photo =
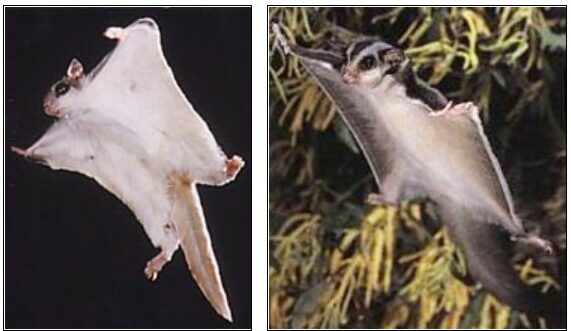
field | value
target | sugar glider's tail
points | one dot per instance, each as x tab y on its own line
188	219
486	250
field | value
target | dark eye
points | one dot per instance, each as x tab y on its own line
367	63
61	88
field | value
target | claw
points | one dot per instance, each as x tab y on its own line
151	276
154	266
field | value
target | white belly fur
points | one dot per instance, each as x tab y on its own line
437	147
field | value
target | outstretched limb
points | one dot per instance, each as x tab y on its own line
233	166
536	241
114	32
327	59
222	172
459	109
169	245
155	265
25	153
20	151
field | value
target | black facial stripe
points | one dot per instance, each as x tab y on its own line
359	46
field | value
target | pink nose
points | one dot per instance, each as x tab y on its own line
52	111
349	77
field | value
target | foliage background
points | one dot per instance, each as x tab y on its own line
338	262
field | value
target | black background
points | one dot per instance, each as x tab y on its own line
74	254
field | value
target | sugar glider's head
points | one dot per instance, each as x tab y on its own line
63	93
66	94
368	61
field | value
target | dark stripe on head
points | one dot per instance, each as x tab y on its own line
359	46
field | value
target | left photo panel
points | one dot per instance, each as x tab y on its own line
127	167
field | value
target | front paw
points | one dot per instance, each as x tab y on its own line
20	151
459	109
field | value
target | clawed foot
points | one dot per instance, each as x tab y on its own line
459	109
19	151
155	265
233	166
536	241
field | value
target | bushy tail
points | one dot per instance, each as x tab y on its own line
486	250
190	224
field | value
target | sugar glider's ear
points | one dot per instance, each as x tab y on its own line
394	58
75	70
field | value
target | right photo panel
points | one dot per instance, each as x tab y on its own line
417	167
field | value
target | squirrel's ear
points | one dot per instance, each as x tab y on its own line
394	58
75	69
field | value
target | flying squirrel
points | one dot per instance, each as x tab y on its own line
128	125
418	144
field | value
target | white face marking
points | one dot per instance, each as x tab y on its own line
59	100
373	50
62	94
366	68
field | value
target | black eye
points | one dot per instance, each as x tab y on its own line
367	63
61	88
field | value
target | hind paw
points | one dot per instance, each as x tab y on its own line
536	241
233	166
155	265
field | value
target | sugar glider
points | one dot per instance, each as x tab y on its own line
128	125
419	145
